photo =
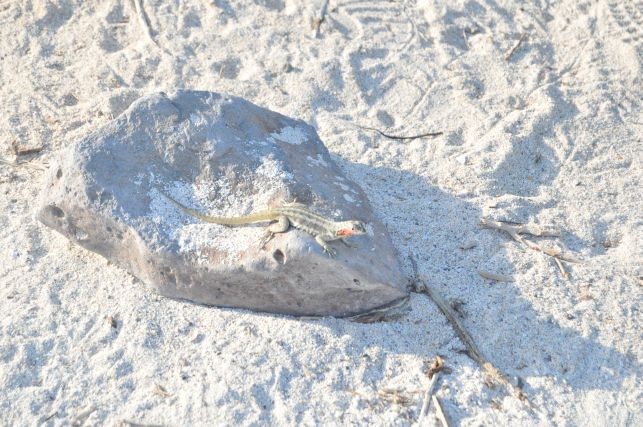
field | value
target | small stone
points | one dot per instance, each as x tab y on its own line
469	244
223	156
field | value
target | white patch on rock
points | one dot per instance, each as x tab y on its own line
291	135
273	169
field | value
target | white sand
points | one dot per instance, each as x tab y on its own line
552	135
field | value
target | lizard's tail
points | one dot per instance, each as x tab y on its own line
246	219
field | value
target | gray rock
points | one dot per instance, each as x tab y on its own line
223	156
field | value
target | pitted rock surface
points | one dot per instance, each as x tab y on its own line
223	156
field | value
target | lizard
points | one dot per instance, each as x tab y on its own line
287	214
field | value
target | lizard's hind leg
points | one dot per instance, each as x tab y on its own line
281	226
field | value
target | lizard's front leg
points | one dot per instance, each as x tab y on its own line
281	226
330	251
349	244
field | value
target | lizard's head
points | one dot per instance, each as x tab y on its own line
351	228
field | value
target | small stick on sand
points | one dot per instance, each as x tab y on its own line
515	232
433	373
317	21
466	39
128	423
142	19
79	419
395	396
50	416
561	268
21	164
401	138
493	373
439	413
159	390
22	151
496	277
388	395
513	50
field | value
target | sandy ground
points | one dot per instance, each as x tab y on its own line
540	108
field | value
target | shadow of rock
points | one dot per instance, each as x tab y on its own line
521	340
531	162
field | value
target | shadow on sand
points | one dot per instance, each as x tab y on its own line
515	337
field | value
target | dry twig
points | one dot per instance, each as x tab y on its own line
48	417
395	396
317	21
79	419
401	138
561	268
513	50
25	151
493	374
20	164
496	277
128	423
160	391
142	19
439	412
434	371
388	395
515	231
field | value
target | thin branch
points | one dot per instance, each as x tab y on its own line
495	277
388	395
439	412
493	373
515	232
128	423
21	151
561	268
159	390
513	50
537	230
21	164
427	398
466	40
434	373
317	21
79	419
401	138
142	19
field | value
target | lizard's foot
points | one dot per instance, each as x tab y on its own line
330	251
266	238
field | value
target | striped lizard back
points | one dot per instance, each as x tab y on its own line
303	218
